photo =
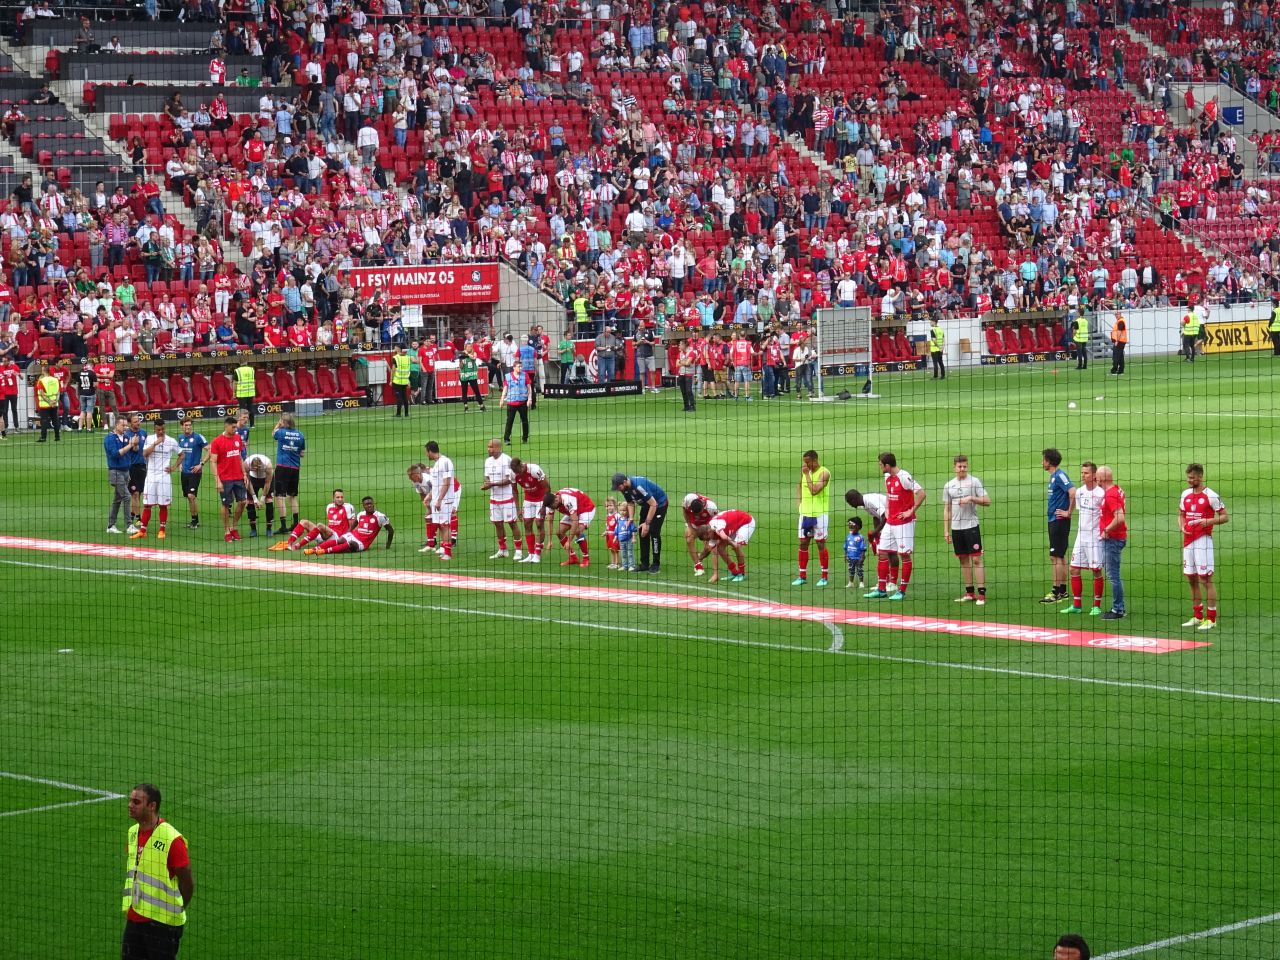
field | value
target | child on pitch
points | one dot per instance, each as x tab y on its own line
611	532
625	532
855	551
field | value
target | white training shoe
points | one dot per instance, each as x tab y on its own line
113	529
1207	624
131	529
1193	622
612	566
982	601
440	551
499	555
426	549
698	571
533	558
519	557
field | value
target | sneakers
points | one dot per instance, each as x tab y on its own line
799	582
193	525
585	563
533	558
965	598
896	595
1113	615
519	557
654	569
235	535
982	601
131	529
439	551
161	535
1053	597
738	578
226	538
571	562
113	529
875	595
1071	609
498	555
1207	625
613	566
698	570
1193	622
643	568
310	551
277	547
1095	612
253	533
821	583
423	549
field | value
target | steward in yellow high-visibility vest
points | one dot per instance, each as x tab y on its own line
1274	330
1080	336
937	341
401	367
48	397
1190	334
246	389
158	884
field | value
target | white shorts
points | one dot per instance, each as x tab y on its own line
534	510
448	508
356	544
898	538
502	512
1197	557
158	491
1087	554
743	536
817	527
583	518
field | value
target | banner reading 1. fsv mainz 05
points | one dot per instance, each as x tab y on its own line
445	284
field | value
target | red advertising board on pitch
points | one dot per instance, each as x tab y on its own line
451	284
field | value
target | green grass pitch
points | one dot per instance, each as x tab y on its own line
370	770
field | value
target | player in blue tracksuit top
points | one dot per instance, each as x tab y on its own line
291	446
651	510
855	550
137	469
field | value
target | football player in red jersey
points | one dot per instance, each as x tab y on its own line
1199	511
534	488
729	529
898	537
338	517
578	510
369	523
698	512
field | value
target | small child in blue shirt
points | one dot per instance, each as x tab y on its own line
625	531
855	549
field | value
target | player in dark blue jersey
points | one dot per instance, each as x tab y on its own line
194	455
1062	500
291	447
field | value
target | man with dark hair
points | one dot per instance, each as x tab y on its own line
158	885
1071	946
904	496
651	504
1062	500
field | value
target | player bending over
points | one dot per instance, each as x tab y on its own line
877	505
369	523
698	511
338	517
578	510
731	529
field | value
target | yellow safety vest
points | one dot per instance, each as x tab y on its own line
400	375
815	504
150	890
938	336
246	382
1082	329
1275	321
47	390
580	312
1191	325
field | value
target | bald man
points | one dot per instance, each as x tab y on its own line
1115	534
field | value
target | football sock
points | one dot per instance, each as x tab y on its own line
295	519
453	527
164	516
271	513
802	559
502	542
295	534
982	591
1197	611
528	543
582	544
538	547
1097	591
314	534
340	547
1077	589
432	529
823	558
882	571
969	590
1212	614
906	575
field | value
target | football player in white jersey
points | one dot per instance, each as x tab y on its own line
446	491
500	481
1086	554
157	488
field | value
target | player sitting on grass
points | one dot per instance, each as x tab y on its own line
337	522
369	523
727	529
578	510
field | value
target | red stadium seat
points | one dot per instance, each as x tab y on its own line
1044	337
326	381
995	345
157	392
306	383
902	346
347	381
1026	338
179	392
118	388
134	398
1010	339
286	389
266	386
222	392
201	389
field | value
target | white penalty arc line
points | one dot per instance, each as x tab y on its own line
43	781
57	806
835	648
1190	937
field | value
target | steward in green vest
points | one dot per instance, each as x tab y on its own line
47	399
246	389
1080	336
582	310
1190	334
1274	330
937	340
469	376
158	884
400	370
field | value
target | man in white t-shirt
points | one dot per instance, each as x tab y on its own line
500	481
961	497
446	491
1086	553
157	488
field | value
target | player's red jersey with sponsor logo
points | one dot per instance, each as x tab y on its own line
701	519
10	374
731	521
574	501
338	518
368	526
900	488
1201	504
533	482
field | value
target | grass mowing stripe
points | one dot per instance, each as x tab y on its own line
835	648
1190	937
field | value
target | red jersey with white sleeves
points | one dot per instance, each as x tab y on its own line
709	510
10	374
338	518
533	482
368	526
574	502
1201	504
900	491
731	521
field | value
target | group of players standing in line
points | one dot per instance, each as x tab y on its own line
140	470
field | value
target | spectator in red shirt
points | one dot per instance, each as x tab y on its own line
1115	534
226	451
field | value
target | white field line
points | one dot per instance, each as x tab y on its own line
98	795
759	644
1190	937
